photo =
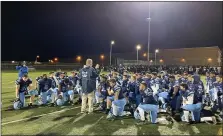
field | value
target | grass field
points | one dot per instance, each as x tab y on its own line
68	120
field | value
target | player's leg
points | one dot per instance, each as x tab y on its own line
84	103
54	95
32	94
90	102
22	98
71	96
109	103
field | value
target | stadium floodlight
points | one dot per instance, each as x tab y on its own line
156	51
55	59
37	57
112	43
183	60
78	59
102	56
161	60
209	59
138	47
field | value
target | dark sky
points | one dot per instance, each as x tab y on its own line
65	29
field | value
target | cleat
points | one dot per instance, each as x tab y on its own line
30	105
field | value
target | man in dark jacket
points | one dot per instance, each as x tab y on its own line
88	77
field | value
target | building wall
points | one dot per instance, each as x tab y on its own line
191	56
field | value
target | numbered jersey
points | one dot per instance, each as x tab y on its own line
23	84
45	84
65	86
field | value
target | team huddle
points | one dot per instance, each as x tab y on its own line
143	95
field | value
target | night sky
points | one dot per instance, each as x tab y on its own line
65	29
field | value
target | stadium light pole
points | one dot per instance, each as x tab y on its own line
149	19
156	51
138	47
112	43
37	57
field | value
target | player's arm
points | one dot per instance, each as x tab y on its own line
99	88
18	67
70	86
96	71
189	99
17	90
59	88
117	94
30	87
110	92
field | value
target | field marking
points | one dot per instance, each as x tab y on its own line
39	116
7	82
220	132
79	118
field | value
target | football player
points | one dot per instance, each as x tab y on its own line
149	104
66	92
119	101
23	85
23	69
101	93
54	88
192	103
44	86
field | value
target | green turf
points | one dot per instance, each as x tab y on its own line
70	122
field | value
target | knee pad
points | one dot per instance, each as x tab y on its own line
59	102
70	92
137	115
17	104
48	98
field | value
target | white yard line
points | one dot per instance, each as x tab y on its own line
7	82
39	116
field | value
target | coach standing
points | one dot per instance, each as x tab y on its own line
88	77
23	69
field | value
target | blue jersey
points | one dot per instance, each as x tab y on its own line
117	88
210	82
65	87
191	86
171	87
45	84
132	89
183	80
147	80
22	70
148	98
73	79
103	86
125	85
53	85
218	86
23	84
